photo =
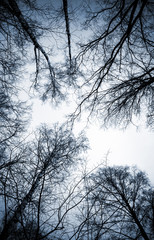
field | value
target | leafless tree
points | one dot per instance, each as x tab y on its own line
120	205
118	61
24	26
29	187
16	24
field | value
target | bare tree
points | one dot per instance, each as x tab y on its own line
118	83
22	25
29	190
65	8
26	30
121	205
118	61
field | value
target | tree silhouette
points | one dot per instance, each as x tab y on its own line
119	83
29	190
120	56
120	205
24	25
113	71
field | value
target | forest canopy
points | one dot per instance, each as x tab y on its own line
101	52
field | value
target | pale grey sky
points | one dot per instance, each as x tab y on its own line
129	147
126	147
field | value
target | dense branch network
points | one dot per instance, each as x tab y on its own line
13	8
42	195
122	74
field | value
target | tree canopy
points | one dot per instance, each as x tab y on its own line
102	54
120	56
114	60
120	204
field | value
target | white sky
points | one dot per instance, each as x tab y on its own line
128	147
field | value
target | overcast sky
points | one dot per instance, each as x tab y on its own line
133	146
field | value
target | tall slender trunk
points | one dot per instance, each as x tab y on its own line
12	222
